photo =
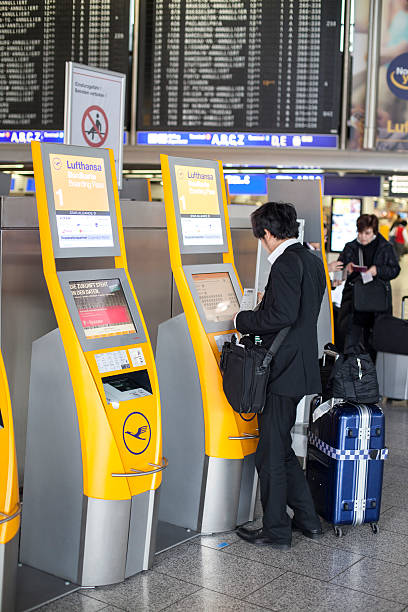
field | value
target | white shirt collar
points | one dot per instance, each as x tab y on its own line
280	249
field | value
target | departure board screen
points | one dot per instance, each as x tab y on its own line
37	38
217	296
257	65
102	308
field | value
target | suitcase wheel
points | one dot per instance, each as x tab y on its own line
338	532
375	528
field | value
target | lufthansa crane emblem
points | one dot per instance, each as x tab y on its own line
136	433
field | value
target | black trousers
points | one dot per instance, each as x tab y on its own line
282	481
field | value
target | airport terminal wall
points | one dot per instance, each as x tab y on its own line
26	310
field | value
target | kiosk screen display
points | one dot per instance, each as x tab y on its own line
102	308
199	206
345	212
81	201
217	296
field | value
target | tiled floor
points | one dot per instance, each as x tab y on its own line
361	571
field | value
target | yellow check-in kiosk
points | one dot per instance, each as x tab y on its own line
94	460
211	483
9	500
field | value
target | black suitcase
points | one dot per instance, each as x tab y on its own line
390	334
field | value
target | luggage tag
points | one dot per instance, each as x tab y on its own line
325	407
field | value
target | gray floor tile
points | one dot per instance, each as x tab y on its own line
180	549
386	545
220	540
398	457
209	601
395	496
306	557
378	579
75	601
396	426
396	440
294	593
396	475
147	591
217	571
395	519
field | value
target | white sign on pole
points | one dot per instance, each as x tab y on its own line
94	110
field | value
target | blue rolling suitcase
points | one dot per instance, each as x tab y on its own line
345	462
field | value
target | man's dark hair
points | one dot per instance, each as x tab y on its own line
403	223
366	221
276	217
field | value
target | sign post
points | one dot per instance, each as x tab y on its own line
94	110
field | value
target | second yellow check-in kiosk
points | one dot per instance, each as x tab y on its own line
94	458
9	500
211	483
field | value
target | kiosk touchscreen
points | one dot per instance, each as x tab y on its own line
211	483
94	459
9	500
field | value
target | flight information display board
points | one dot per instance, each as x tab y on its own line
240	65
37	38
102	308
217	296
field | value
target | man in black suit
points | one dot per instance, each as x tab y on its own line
292	297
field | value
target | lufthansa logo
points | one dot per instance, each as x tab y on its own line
56	162
136	433
250	418
397	76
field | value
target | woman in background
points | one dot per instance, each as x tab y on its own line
379	258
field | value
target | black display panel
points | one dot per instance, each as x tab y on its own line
37	38
237	65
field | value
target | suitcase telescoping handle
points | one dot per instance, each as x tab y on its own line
329	350
405	297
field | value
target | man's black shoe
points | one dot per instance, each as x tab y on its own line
257	536
312	534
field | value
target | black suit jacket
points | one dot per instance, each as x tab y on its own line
292	297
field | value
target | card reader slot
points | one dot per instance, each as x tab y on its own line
129	386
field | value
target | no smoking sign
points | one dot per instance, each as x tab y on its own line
95	126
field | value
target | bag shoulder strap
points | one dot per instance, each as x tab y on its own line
360	257
276	344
